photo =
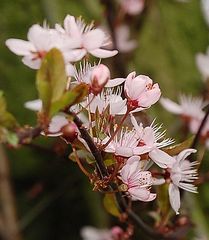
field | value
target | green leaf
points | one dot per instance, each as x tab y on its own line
108	162
177	148
7	120
82	154
110	204
12	138
69	98
51	79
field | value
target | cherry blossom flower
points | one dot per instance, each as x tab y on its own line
124	45
86	73
202	62
123	144
148	142
205	10
137	141
137	181
108	98
141	92
92	233
182	175
40	41
191	109
132	7
85	39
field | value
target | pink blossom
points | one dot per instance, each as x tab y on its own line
92	233
202	62
85	73
205	10
137	181
141	92
124	45
108	98
191	109
99	77
40	41
182	175
132	7
84	39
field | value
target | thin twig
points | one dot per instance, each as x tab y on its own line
198	135
27	134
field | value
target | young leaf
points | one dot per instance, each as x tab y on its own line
6	119
110	204
51	79
69	98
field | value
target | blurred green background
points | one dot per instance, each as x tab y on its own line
54	200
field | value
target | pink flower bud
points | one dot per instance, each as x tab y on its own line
99	77
69	132
140	91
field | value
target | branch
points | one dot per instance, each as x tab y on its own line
27	134
94	150
11	230
198	135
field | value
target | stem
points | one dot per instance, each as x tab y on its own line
198	135
93	148
11	229
80	164
25	135
116	131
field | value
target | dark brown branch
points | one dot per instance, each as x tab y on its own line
198	134
94	150
27	134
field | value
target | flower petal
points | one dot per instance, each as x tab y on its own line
115	82
102	53
185	153
174	197
20	47
161	158
93	39
34	105
171	106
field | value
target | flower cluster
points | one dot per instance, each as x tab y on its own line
132	147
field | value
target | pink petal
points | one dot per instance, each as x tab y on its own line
124	151
171	106
75	55
184	154
20	47
161	158
102	53
34	64
34	105
93	39
141	194
115	82
57	122
174	197
71	27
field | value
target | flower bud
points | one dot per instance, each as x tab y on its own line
69	132
99	77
